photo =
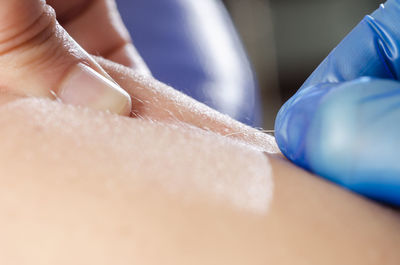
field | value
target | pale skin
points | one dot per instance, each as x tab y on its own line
175	183
85	187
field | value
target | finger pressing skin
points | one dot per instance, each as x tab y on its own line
97	26
38	58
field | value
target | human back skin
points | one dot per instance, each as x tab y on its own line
86	187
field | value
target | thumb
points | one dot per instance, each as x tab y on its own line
38	58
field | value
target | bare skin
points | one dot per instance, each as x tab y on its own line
85	187
155	101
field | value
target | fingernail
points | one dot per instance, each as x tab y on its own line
83	86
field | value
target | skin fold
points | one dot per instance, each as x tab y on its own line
155	101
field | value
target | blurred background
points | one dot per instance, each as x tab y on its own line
287	39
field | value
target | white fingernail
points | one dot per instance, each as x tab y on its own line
85	87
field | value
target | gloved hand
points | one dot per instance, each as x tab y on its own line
344	122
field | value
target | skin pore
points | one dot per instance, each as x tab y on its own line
87	187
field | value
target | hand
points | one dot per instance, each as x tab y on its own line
38	58
344	122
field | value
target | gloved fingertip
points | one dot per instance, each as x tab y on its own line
293	121
83	86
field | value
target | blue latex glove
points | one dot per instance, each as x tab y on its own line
344	122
